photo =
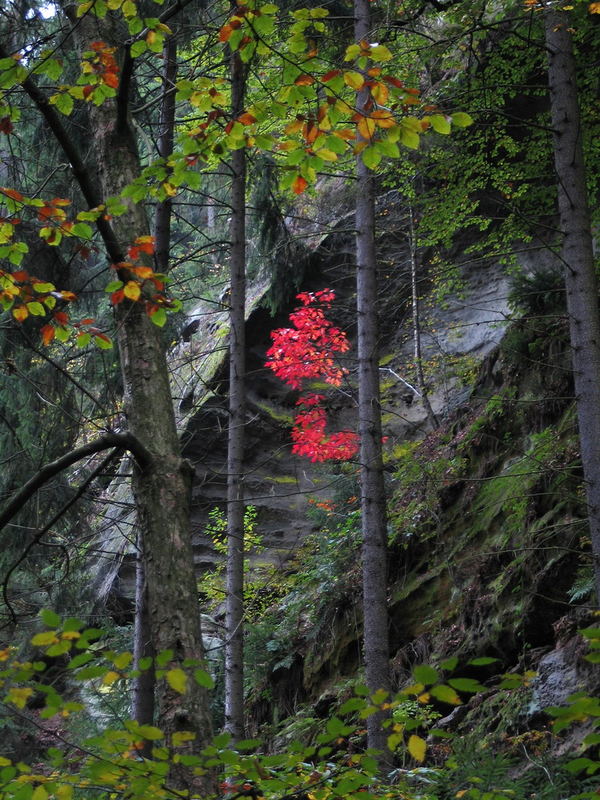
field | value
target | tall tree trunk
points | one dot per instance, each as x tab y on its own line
372	488
234	621
578	257
161	492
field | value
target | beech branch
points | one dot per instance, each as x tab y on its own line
80	171
125	441
43	531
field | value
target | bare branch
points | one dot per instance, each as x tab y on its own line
125	441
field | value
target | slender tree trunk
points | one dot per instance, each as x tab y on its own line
234	620
142	699
578	257
372	490
162	220
433	421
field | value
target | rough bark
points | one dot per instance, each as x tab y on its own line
234	619
162	491
372	489
578	257
142	693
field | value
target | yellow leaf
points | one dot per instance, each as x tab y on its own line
39	793
19	696
417	747
110	677
47	637
70	635
20	313
326	155
132	290
354	79
177	680
5	762
594	8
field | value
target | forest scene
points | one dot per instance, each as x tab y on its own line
299	400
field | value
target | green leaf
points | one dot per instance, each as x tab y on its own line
425	674
371	156
61	333
466	685
440	124
137	48
72	624
103	343
149	732
388	148
159	317
461	119
59	648
82	229
113	286
380	53
43	288
163	658
483	661
50	618
63	102
83	339
79	660
409	138
36	309
202	678
353	704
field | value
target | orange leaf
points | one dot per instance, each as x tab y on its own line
393	81
117	297
304	80
20	313
225	33
142	272
12	193
47	334
384	119
68	295
21	275
246	118
366	127
331	75
299	184
61	317
110	79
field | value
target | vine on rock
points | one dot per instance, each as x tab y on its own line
305	352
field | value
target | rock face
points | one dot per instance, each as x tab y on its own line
564	671
456	336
